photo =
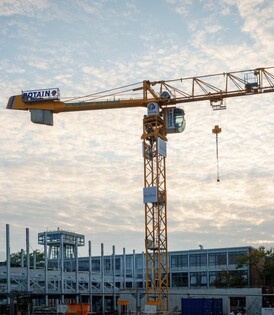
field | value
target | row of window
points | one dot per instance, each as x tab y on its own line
209	261
236	278
217	260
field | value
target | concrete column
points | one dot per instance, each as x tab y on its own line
46	267
28	259
90	274
8	260
124	267
61	253
102	265
76	270
188	268
133	269
144	269
207	269
113	279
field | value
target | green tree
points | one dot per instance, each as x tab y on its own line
229	279
15	259
262	262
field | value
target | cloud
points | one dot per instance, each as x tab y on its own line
88	7
180	6
26	7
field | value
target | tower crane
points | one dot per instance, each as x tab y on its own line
162	118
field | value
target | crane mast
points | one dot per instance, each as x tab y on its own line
160	98
154	152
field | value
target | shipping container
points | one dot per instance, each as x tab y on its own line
201	306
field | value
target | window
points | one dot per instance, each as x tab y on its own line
198	279
139	262
193	279
233	257
69	251
82	264
96	265
179	261
108	264
129	261
203	279
229	279
197	261
239	278
179	279
212	278
54	252
117	263
217	260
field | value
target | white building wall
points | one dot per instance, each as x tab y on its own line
253	298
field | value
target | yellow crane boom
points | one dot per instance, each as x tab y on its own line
214	87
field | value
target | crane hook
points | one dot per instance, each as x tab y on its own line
216	130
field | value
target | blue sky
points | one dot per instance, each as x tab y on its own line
85	174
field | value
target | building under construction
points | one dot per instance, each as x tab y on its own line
116	282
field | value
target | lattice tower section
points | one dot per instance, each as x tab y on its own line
155	213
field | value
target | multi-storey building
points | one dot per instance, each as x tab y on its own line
102	280
187	268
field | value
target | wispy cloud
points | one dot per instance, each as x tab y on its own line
26	7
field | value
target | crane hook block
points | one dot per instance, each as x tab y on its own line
216	130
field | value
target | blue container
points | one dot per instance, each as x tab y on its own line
217	305
201	306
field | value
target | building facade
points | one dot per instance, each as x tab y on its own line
201	268
64	277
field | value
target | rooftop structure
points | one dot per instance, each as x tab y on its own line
55	240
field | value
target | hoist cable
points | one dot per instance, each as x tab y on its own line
217	157
217	130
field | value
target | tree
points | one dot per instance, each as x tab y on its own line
262	262
229	279
15	258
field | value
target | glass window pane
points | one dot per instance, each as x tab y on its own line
233	257
179	279
179	261
197	260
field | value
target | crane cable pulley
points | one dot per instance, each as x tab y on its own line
216	130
